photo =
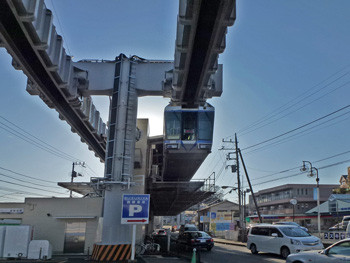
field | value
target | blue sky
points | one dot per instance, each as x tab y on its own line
292	56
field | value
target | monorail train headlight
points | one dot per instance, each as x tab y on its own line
172	146
204	146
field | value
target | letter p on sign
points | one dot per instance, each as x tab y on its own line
134	209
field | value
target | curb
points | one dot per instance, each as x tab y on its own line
230	243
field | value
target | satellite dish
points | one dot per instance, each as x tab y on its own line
293	201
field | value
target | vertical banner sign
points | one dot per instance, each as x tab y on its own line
315	194
135	209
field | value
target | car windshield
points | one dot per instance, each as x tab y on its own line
287	223
190	228
294	232
200	234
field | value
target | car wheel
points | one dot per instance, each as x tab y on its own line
285	252
209	248
253	249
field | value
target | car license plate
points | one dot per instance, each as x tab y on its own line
202	241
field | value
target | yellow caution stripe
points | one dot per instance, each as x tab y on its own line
111	253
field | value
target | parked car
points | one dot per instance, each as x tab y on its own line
159	232
338	227
346	220
292	224
281	239
187	227
195	239
337	253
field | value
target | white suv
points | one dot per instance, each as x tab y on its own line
281	239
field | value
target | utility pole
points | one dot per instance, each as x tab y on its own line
250	186
75	174
238	184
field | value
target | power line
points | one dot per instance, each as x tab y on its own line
24	175
91	169
291	169
303	95
32	187
298	128
25	192
293	175
301	133
1	174
301	107
38	139
36	144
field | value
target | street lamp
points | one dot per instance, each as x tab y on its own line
314	172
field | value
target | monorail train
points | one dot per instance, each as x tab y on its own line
188	136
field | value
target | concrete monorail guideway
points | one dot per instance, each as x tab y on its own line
28	34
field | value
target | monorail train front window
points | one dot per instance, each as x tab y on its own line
189	121
173	125
205	125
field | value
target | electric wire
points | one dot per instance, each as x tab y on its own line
295	129
5	175
301	133
39	143
36	144
91	169
303	95
301	107
38	139
298	167
24	175
32	187
296	174
25	192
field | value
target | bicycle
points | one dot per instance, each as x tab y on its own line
149	247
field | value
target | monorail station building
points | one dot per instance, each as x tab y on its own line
74	225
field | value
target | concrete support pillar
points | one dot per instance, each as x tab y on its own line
120	153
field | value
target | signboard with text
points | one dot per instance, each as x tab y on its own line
135	209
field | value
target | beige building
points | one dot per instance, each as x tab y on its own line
71	225
219	217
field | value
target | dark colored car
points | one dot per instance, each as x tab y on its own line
195	239
187	227
159	232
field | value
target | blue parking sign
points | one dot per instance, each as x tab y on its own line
135	209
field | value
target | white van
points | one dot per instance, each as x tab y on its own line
281	239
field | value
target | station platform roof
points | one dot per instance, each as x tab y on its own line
171	198
82	188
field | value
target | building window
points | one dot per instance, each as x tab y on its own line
305	191
302	191
298	192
